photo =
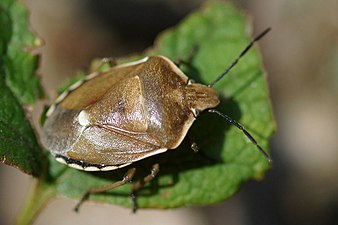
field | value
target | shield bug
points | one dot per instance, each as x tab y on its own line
133	111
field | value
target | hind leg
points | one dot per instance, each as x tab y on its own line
126	178
139	184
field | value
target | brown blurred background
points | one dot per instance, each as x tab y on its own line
301	57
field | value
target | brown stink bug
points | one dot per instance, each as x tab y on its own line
131	112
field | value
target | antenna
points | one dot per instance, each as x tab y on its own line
247	48
239	126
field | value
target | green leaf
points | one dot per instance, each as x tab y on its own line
18	145
19	64
18	85
217	32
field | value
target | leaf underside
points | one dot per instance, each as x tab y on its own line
213	36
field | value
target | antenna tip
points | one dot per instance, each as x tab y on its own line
265	154
269	159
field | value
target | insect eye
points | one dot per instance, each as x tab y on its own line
191	81
196	112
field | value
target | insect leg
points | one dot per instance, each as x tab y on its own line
126	178
140	183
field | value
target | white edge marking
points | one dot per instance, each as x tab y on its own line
108	168
64	94
75	166
158	151
90	168
133	63
57	101
91	76
50	110
184	132
61	160
185	78
76	85
61	97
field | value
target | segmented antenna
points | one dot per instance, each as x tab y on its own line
247	48
239	126
227	118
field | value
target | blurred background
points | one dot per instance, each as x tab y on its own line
301	58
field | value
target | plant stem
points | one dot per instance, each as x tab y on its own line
40	193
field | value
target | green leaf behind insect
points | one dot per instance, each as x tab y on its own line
217	33
18	85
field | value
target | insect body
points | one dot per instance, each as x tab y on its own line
129	113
